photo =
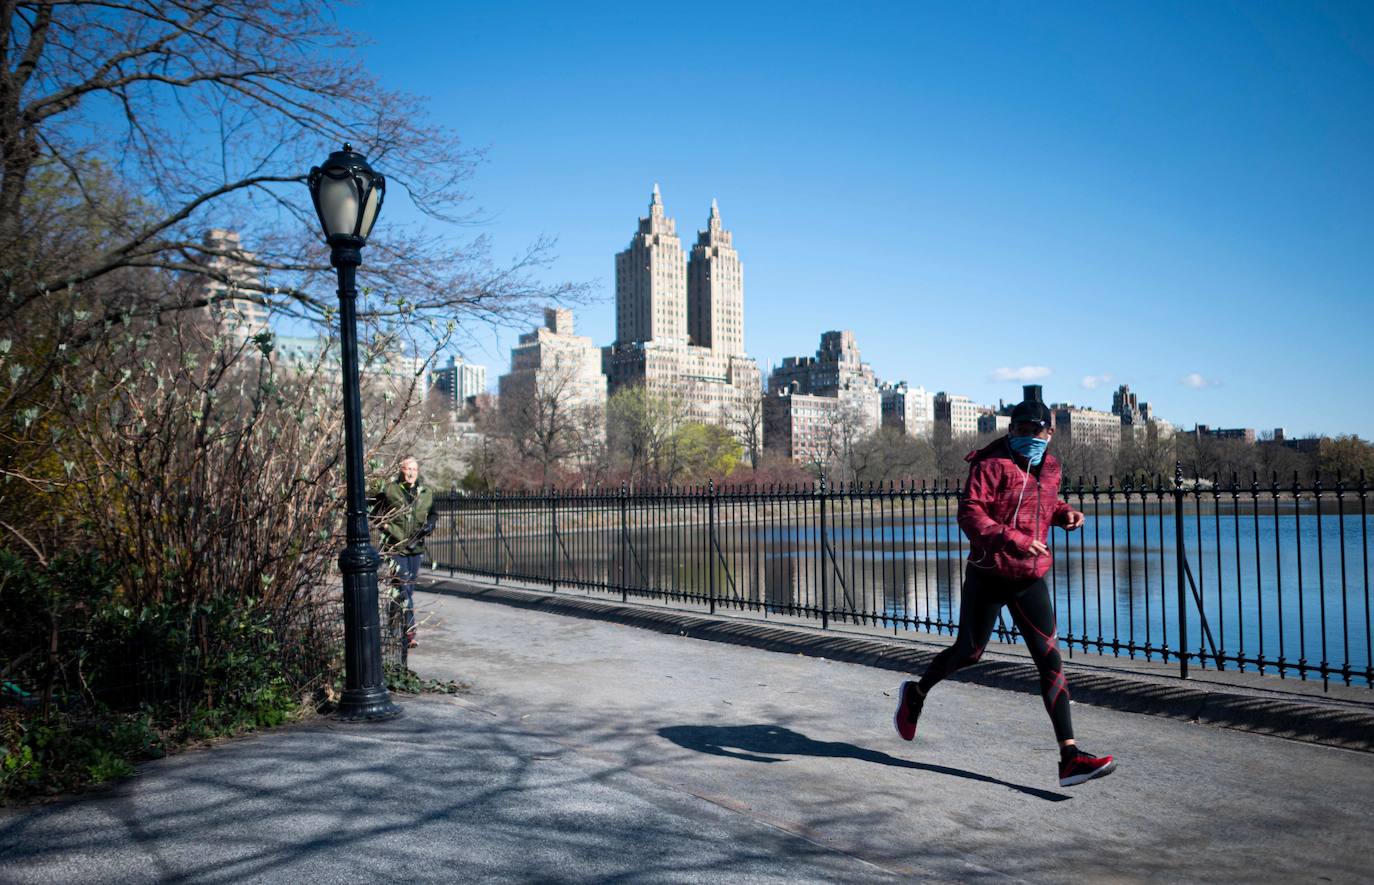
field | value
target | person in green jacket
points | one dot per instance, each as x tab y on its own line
407	505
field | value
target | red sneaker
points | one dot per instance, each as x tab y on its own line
1080	767
909	705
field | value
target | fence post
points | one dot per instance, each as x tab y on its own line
452	527
821	543
624	543
1178	567
711	540
496	506
553	539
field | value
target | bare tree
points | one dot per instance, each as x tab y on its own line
212	111
950	453
1146	454
891	455
849	429
1207	457
1082	458
1273	458
548	418
127	130
744	418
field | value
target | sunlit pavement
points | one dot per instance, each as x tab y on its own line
593	751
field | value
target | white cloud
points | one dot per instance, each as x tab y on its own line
1092	382
1197	382
1025	373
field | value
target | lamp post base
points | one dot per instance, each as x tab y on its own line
373	704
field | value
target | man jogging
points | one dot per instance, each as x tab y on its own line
409	509
1011	500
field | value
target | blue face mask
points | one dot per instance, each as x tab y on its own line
1032	448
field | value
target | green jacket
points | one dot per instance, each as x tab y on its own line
409	511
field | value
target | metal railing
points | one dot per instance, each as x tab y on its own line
1266	576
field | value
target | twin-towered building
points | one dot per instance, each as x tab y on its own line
680	321
680	333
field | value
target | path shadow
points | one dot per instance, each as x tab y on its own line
749	742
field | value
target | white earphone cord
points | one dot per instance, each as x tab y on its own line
1019	498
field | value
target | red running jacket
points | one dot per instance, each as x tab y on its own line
1006	506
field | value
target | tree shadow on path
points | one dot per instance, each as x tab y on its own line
748	742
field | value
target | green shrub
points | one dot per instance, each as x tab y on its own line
126	684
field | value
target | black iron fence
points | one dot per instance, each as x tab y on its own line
1269	576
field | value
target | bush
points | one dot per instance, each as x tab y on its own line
93	685
182	512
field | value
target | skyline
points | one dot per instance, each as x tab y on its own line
1170	197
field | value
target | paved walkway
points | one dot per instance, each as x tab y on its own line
592	751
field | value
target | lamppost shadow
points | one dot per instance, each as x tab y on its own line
751	742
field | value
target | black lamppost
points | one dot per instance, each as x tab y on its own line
348	196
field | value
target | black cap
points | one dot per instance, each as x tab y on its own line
1031	411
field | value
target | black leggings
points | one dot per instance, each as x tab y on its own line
1029	601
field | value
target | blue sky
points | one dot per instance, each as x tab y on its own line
1176	196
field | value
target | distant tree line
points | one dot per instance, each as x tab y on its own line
643	438
890	455
650	440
